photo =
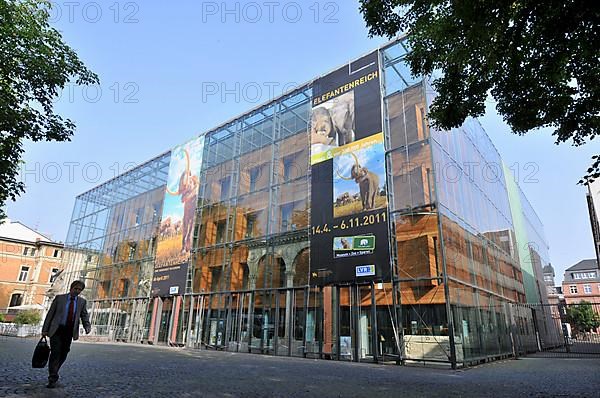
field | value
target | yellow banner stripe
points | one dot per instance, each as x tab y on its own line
348	148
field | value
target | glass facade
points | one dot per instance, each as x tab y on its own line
458	275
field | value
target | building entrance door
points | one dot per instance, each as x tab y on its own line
354	330
166	312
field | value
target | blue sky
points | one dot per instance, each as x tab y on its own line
171	70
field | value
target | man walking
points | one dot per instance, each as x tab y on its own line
62	326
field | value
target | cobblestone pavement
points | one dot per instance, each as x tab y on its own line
125	370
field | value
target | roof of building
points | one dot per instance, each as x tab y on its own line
584	265
16	230
549	269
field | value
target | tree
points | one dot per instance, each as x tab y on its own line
35	64
583	316
538	60
28	317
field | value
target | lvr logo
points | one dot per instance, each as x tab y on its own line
365	270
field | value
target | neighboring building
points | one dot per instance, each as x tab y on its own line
555	296
582	282
29	263
554	291
593	200
549	278
362	234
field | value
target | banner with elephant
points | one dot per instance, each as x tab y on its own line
176	228
349	213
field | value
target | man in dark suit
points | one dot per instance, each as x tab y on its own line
62	326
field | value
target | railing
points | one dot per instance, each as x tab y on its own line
566	330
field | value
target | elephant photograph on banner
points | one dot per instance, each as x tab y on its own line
359	180
332	123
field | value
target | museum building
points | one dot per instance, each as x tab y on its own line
332	222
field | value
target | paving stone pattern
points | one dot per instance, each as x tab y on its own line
127	370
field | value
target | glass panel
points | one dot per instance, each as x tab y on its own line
387	326
346	329
313	329
365	322
298	323
292	212
301	268
293	158
412	180
282	322
417	246
218	183
255	170
252	214
406	114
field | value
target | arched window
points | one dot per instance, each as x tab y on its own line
301	263
16	299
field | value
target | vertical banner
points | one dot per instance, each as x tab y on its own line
177	222
349	230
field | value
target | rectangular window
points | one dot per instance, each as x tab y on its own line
57	253
151	245
29	251
123	288
221	231
254	174
53	274
119	223
250	225
131	254
587	289
155	210
288	167
23	274
104	289
286	217
16	299
139	215
225	186
215	279
573	289
584	275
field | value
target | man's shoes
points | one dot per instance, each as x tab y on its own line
51	384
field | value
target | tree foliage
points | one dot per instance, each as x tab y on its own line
35	64
583	316
28	317
539	60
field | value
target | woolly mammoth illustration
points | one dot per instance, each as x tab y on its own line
368	183
188	189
